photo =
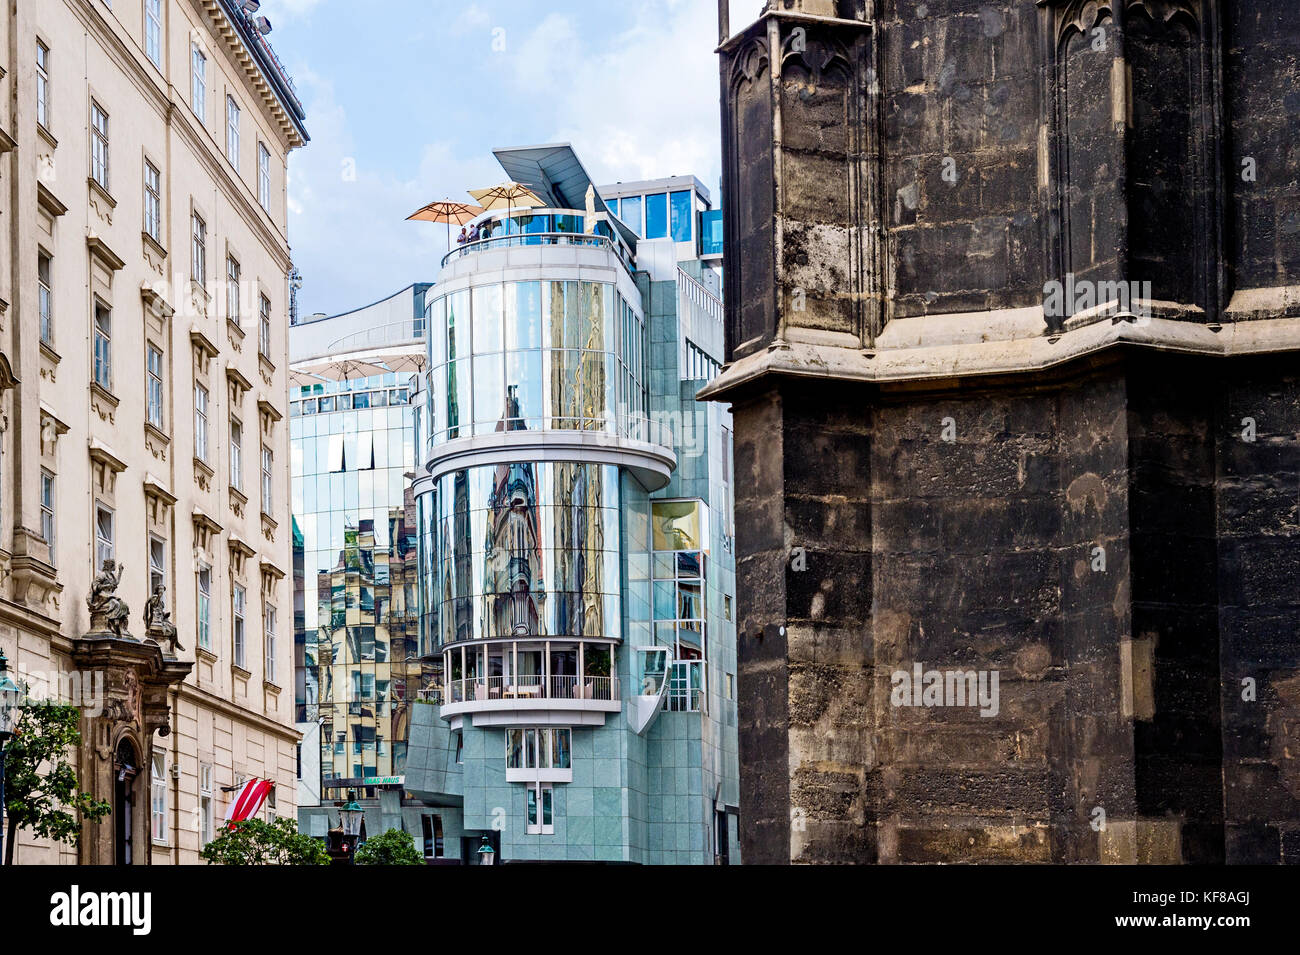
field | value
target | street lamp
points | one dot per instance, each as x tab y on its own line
486	854
351	814
9	696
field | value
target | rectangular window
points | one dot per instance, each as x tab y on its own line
236	455
431	829
158	798
679	210
103	536
232	132
152	202
153	31
238	601
157	563
45	297
42	84
99	144
264	176
267	470
541	814
205	804
631	213
656	216
103	346
198	82
264	326
205	606
232	289
154	385
47	510
198	249
269	625
201	423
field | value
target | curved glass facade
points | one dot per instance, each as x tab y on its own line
355	572
521	550
510	356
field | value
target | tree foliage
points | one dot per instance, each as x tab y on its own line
41	786
255	842
394	847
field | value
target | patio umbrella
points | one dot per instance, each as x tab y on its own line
508	196
446	210
344	369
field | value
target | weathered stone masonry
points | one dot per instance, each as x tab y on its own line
1102	506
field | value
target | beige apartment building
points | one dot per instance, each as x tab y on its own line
143	361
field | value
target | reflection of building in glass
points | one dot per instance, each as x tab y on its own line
573	509
357	664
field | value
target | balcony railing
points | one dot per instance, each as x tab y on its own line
537	687
516	239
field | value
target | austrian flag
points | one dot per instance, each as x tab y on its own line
250	799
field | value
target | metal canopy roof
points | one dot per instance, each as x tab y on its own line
556	174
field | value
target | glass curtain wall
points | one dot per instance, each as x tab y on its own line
536	355
355	572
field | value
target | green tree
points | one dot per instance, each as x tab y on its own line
394	847
254	842
41	787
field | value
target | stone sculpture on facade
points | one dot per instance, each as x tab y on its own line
158	620
107	610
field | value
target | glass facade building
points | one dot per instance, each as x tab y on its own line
572	511
358	668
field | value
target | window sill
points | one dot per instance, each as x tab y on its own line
47	136
203	653
103	193
240	672
102	393
151	243
271	687
153	431
265	362
50	354
238	495
202	465
234	328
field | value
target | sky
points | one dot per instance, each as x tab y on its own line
406	99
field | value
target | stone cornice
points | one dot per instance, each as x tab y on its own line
255	80
916	359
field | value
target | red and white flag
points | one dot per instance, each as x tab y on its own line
248	801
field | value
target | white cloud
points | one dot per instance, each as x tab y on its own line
636	105
348	232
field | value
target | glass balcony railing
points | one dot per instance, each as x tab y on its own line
516	240
530	687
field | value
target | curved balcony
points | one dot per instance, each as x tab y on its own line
638	443
521	239
516	683
506	701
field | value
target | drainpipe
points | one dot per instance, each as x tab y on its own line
176	780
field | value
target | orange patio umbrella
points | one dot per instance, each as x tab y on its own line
446	210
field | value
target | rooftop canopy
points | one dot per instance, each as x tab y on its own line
558	178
